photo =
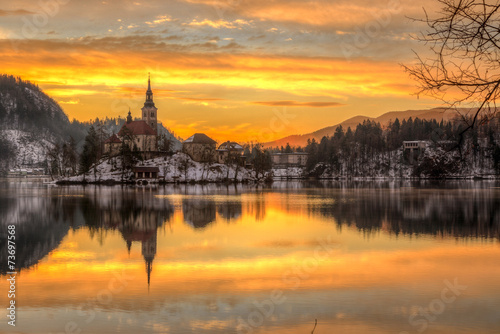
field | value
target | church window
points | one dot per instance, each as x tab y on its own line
152	114
144	114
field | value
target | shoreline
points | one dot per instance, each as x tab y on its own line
303	179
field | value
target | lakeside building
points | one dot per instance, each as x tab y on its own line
415	145
412	149
24	172
284	160
231	150
141	172
200	147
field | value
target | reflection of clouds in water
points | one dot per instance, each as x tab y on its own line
204	279
45	215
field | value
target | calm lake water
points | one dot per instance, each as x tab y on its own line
389	257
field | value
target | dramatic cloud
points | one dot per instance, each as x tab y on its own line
217	63
14	12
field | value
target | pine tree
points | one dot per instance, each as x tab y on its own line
89	156
262	161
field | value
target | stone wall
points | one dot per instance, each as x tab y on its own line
200	152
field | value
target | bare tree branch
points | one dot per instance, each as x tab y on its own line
464	66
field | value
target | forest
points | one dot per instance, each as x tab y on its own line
350	153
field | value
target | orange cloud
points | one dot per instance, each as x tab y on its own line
105	72
14	12
298	104
324	13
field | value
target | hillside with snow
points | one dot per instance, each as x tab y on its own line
30	123
30	150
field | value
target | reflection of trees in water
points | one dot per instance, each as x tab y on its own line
453	212
198	212
118	208
199	197
200	209
230	211
38	231
137	214
257	206
43	217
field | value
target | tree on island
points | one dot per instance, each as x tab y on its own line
232	160
464	67
70	156
129	155
7	153
54	159
184	164
90	154
165	144
261	160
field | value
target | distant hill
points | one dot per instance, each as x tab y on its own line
301	140
24	107
30	121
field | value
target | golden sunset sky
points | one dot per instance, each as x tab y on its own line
233	69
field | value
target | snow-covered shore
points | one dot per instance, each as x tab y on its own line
176	168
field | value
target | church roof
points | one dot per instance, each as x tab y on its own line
113	139
230	146
137	128
199	138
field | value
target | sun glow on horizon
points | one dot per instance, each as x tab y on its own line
224	77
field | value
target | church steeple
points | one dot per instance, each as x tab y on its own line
149	252
149	94
129	116
149	269
149	111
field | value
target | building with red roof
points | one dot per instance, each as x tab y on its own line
112	145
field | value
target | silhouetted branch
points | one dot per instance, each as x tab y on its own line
464	66
315	323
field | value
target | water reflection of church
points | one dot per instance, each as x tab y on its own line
139	221
143	229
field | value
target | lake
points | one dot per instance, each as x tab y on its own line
367	257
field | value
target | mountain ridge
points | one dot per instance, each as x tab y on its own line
384	119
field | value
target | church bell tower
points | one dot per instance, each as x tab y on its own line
149	111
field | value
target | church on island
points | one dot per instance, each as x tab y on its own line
142	136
